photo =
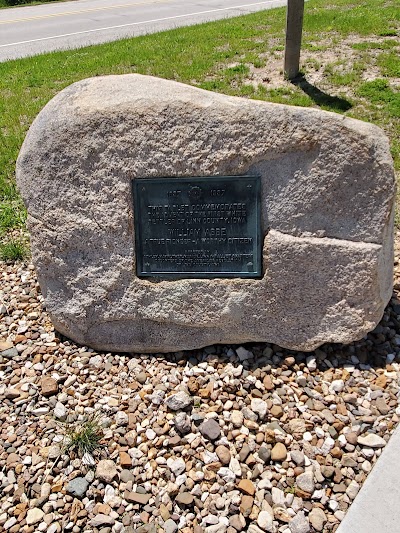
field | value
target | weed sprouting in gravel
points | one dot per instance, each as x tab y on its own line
83	437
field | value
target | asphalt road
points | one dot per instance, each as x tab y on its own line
30	30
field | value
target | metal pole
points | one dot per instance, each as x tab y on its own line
294	28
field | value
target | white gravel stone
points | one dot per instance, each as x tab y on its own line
234	465
34	516
278	497
10	523
237	418
109	493
177	466
369	453
227	475
265	521
259	407
60	412
333	505
210	520
366	466
178	401
170	526
371	440
121	418
106	470
305	482
150	434
311	362
209	457
299	524
337	385
327	446
352	489
88	459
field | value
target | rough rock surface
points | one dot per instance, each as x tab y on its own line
327	215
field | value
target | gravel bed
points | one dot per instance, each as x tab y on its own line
222	439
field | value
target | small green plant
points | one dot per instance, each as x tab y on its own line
12	215
367	45
258	63
237	71
13	250
84	436
389	63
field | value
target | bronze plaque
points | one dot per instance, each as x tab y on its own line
200	227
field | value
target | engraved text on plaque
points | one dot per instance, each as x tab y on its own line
198	227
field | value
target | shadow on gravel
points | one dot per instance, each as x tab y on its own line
379	348
319	97
375	351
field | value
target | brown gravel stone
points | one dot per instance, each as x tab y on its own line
341	409
382	406
12	394
125	460
5	345
276	411
268	384
246	486
136	497
279	452
49	386
336	452
381	381
246	505
184	498
224	455
193	385
13	459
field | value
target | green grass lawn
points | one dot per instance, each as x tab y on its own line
14	3
350	61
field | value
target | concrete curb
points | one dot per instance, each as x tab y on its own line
376	507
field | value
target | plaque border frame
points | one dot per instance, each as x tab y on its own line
256	274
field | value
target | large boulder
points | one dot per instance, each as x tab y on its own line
327	205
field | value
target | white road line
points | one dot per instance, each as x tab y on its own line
137	23
78	12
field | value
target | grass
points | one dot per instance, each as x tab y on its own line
83	437
12	214
15	3
350	56
13	250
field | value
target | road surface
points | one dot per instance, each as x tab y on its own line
31	30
